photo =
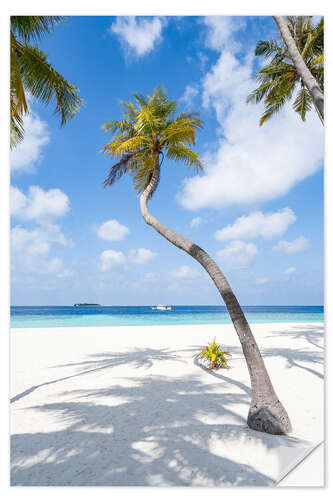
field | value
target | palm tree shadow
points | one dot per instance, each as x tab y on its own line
298	358
311	333
294	357
219	376
138	358
151	430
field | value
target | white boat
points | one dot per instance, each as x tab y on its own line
160	307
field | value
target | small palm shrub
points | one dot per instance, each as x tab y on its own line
213	356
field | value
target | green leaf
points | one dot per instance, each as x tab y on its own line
303	102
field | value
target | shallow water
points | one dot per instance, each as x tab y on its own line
67	316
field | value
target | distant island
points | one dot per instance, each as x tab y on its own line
84	304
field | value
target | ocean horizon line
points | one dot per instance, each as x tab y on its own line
174	305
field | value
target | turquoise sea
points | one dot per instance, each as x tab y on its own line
67	316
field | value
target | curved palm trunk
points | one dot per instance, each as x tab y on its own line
302	69
266	413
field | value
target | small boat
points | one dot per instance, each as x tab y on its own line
160	307
85	304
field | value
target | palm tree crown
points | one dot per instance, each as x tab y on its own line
31	72
279	78
148	128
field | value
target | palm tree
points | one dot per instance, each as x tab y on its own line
282	75
314	88
31	73
148	130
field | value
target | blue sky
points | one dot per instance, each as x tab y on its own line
257	208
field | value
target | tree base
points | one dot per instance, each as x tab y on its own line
272	419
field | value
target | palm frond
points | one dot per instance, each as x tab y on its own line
30	28
45	83
18	103
133	144
268	48
181	130
319	60
118	170
259	93
318	38
303	102
185	155
120	127
16	130
300	31
269	111
276	69
142	176
140	99
16	85
148	121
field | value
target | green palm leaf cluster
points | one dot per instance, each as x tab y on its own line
31	72
213	355
279	78
148	128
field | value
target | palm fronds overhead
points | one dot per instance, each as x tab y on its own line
279	79
31	72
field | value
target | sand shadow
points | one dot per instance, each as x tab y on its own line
138	358
294	357
151	431
313	334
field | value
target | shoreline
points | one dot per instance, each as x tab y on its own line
252	324
135	409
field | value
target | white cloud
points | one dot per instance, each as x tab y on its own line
112	230
37	240
65	273
149	278
251	164
196	222
203	60
142	255
110	259
29	152
146	280
30	251
262	281
189	94
38	204
184	272
237	254
220	30
268	226
18	201
55	266
138	34
289	272
289	247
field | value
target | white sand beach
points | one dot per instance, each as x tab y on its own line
129	406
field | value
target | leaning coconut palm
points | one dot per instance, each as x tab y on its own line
312	85
31	73
281	76
147	130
